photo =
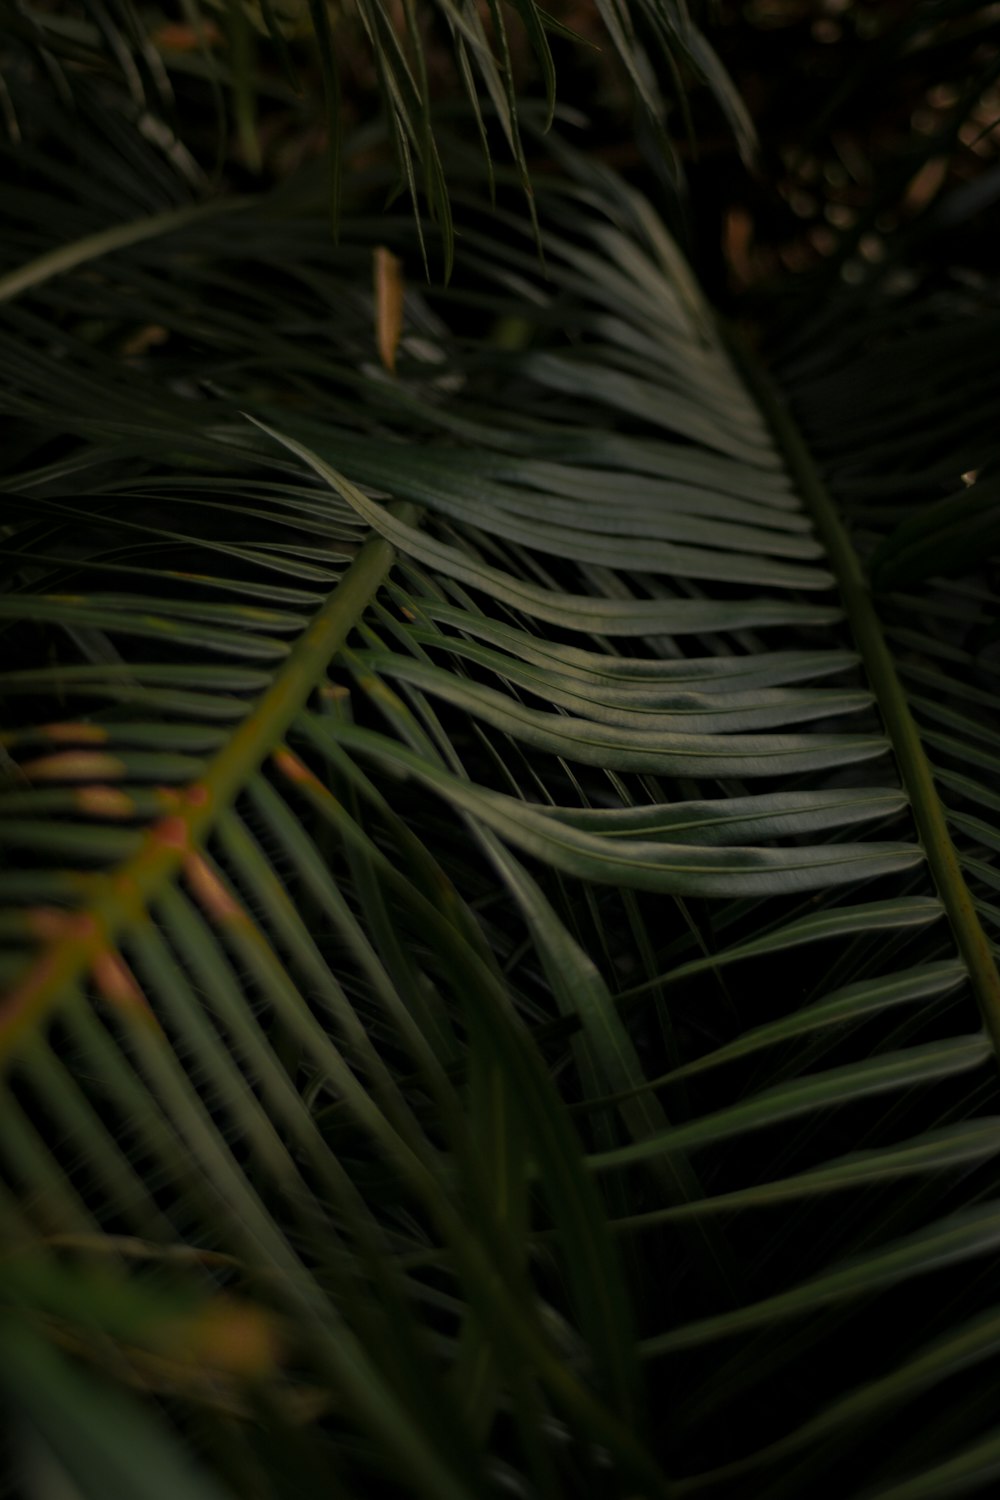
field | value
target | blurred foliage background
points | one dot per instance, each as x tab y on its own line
780	138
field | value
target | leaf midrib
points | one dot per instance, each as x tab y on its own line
915	770
126	892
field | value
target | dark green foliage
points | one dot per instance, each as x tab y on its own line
500	889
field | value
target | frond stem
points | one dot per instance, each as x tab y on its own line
124	894
904	735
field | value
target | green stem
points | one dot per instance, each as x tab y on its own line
117	237
903	732
124	893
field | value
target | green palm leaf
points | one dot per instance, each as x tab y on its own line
483	910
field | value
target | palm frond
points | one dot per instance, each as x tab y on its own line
468	845
228	43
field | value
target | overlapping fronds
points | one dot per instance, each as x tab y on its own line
496	998
282	53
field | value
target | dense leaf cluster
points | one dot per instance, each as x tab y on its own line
500	827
